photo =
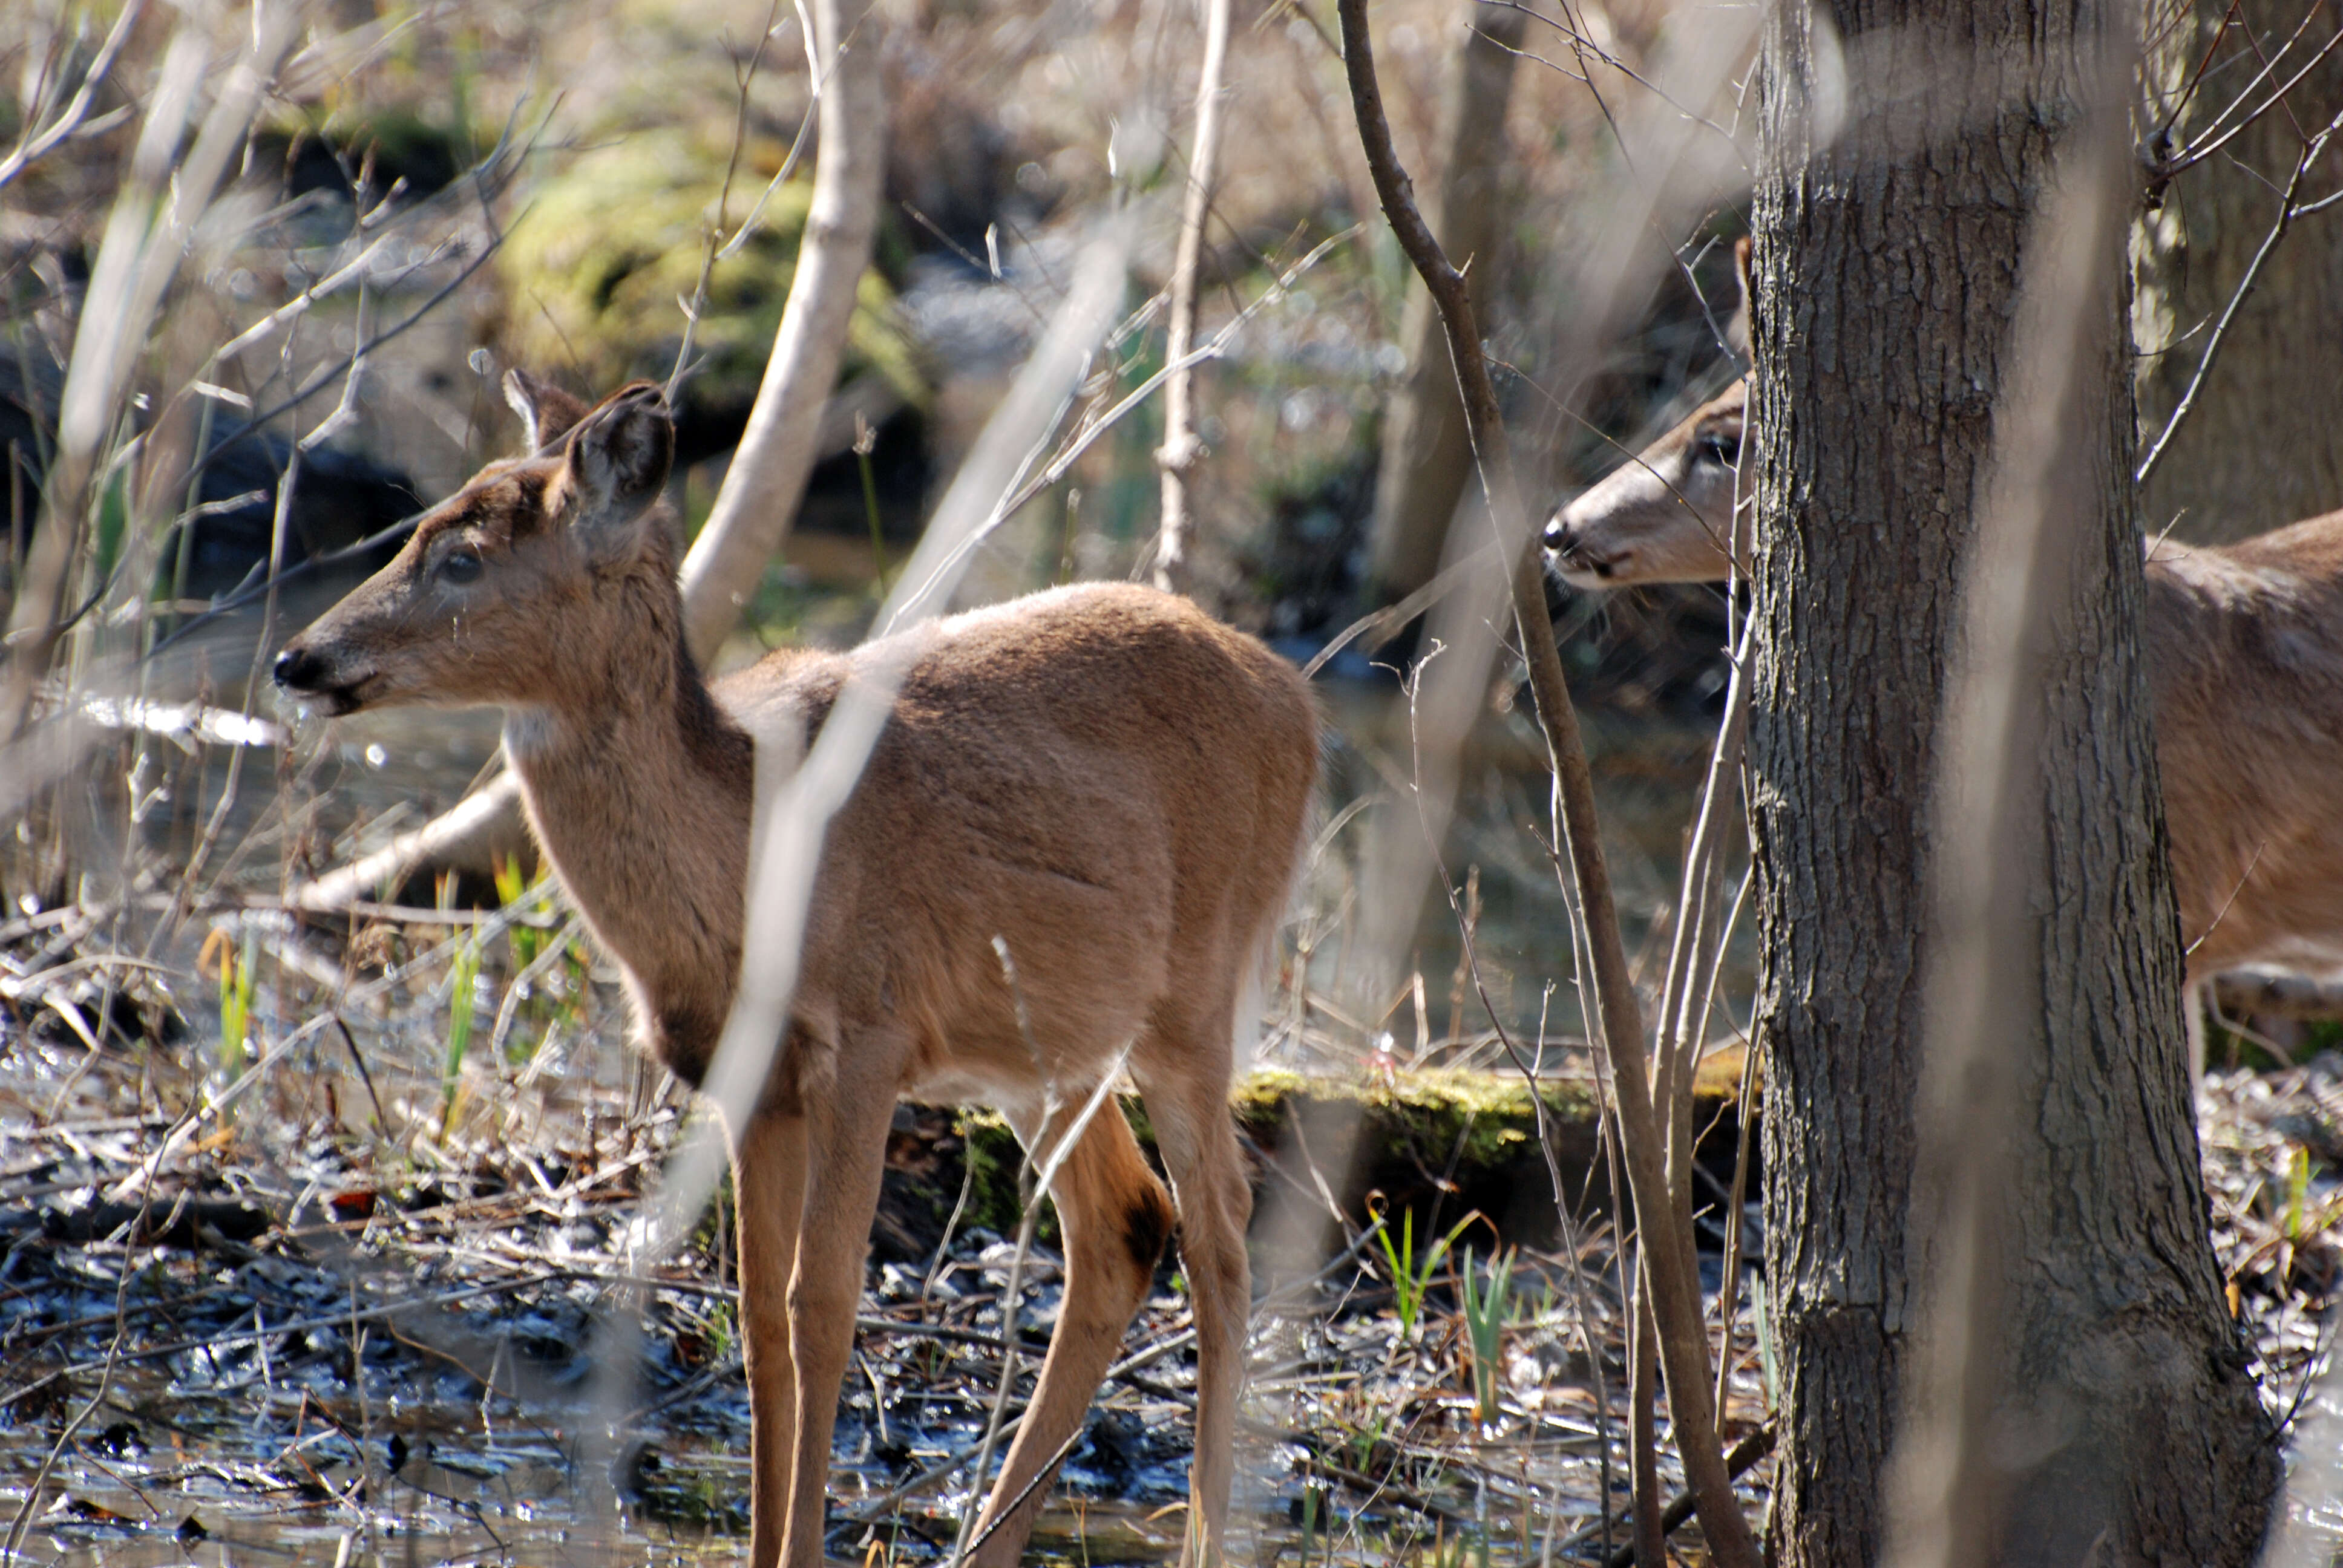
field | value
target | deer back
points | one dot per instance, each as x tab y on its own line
1102	777
2244	645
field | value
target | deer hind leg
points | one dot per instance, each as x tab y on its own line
769	1165
1182	1066
1115	1216
845	1157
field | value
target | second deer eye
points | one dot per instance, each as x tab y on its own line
463	566
1721	446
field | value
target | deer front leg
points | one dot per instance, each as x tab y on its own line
769	1167
846	1155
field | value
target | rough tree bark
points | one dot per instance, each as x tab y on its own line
1427	453
2258	448
1886	270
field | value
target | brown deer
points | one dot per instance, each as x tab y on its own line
1102	778
2244	659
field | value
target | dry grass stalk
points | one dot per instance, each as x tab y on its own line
154	215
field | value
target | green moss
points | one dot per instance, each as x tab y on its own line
1427	1111
992	1153
1479	1127
595	264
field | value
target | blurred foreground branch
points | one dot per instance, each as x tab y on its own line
1949	1467
39	141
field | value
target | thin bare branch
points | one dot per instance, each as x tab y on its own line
1181	448
38	144
1683	1340
2286	213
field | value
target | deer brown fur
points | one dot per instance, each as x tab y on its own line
1102	777
2244	645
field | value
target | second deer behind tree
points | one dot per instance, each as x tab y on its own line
2244	645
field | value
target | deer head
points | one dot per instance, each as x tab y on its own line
1666	514
498	596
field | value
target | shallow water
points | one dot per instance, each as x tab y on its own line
154	1487
226	1461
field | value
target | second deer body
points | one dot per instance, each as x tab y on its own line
2244	645
1101	779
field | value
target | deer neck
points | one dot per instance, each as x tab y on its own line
638	785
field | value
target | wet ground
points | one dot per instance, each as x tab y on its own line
354	1317
258	1349
344	1294
347	1294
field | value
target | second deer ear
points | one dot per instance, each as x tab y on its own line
1736	331
546	410
619	456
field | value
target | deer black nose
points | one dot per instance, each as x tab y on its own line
297	668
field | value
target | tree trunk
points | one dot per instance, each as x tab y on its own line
1427	457
1886	270
2258	449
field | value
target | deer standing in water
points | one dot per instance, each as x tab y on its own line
2244	645
1101	776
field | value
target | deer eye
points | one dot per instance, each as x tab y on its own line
460	568
1721	447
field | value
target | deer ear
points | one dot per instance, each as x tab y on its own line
619	456
546	410
1736	331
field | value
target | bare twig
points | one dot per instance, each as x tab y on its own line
2213	140
2286	213
1728	1291
757	501
1059	1145
1679	1511
744	77
37	143
1032	480
1526	1063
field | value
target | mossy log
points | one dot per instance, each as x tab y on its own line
1447	1140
